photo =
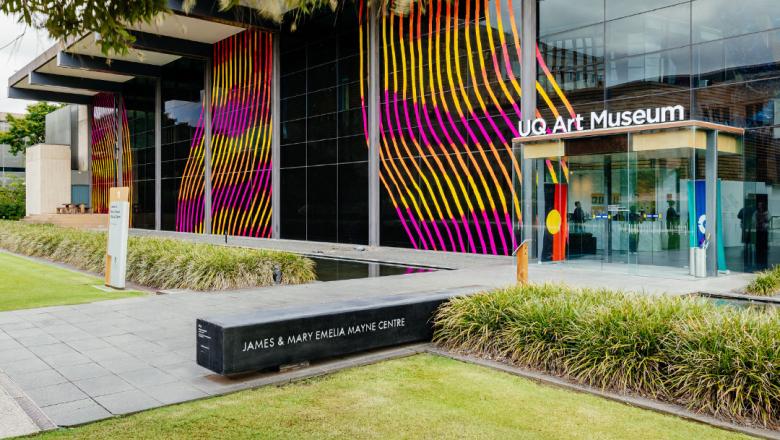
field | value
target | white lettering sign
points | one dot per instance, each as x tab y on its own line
325	333
603	119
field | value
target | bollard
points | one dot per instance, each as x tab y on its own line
522	262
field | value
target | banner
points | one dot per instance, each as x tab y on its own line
697	218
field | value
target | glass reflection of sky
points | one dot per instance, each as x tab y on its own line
183	112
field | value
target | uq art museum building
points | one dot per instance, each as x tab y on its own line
649	128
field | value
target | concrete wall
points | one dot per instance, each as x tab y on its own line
68	126
48	178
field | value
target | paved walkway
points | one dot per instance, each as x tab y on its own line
14	421
86	362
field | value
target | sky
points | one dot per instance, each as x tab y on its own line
16	55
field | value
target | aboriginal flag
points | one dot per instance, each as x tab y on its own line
556	231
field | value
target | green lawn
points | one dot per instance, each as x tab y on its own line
424	396
26	284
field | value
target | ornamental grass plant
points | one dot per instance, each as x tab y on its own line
718	360
159	263
766	283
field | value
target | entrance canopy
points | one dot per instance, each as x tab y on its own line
75	70
628	197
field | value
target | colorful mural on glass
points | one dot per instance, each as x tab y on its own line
450	105
104	136
241	143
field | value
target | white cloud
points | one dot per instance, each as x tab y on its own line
16	55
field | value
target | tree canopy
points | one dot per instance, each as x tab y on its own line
109	18
29	129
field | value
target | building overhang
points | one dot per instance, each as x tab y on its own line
75	70
677	135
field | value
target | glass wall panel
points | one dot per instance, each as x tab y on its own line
182	157
324	157
651	31
139	95
562	15
450	97
716	19
738	59
241	135
622	8
574	58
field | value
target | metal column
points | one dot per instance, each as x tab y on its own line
275	142
207	149
711	210
158	154
90	117
528	105
373	125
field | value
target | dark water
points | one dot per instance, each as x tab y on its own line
741	303
331	269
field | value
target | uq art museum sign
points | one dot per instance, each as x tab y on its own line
602	120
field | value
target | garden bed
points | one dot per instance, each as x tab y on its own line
715	360
159	263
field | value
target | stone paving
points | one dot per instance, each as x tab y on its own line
86	362
15	420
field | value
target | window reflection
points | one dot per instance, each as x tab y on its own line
716	19
743	58
575	58
562	15
649	32
623	8
669	67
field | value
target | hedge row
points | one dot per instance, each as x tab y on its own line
159	263
718	360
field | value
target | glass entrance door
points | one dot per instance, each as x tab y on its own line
662	179
599	209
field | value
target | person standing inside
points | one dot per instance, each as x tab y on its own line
578	217
672	226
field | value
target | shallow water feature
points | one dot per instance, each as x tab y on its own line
332	269
740	303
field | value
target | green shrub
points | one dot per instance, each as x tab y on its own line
159	262
12	200
719	360
766	283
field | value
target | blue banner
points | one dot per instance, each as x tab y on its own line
697	218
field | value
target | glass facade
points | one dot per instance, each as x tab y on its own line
448	76
718	59
139	94
324	157
449	106
183	83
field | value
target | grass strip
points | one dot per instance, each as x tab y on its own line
422	396
26	284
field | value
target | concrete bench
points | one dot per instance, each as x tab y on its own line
267	339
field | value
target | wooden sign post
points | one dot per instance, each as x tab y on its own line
522	262
118	225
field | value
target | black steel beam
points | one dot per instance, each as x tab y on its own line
98	64
170	45
44	95
73	82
